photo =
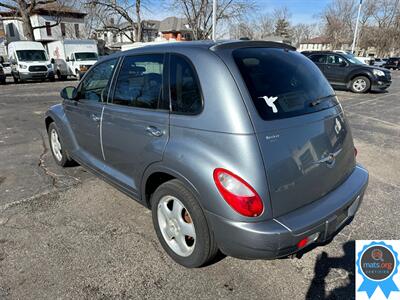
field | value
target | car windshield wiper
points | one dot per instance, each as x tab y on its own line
319	100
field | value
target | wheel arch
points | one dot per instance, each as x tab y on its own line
57	115
155	175
48	120
359	73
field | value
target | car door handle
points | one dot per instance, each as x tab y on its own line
95	118
154	131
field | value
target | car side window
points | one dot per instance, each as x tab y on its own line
95	83
335	60
319	58
184	87
140	81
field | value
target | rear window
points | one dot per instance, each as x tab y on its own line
283	83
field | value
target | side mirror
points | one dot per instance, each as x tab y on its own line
343	64
67	59
53	61
69	93
1	59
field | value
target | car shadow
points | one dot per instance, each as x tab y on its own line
323	265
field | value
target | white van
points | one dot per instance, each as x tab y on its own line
29	61
73	57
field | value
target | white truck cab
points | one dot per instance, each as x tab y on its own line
73	57
29	61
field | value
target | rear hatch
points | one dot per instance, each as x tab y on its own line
305	141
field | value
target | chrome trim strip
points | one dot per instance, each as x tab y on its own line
280	223
101	133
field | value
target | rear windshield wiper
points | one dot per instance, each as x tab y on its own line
319	100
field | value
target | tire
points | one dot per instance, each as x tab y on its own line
360	84
61	77
57	149
199	249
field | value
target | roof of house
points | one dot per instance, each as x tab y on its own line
173	24
317	40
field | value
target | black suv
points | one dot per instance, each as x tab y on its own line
392	63
347	71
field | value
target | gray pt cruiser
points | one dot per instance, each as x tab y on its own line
240	147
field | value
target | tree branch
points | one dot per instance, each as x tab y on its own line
8	6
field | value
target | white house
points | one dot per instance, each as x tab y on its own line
320	43
116	35
56	21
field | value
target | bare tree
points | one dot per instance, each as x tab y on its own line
123	9
198	14
379	25
24	9
302	32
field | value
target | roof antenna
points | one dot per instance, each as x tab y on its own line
214	19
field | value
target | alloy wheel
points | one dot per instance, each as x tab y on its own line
176	226
55	144
359	85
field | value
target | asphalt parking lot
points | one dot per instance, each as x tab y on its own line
66	234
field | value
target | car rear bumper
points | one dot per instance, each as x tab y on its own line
278	237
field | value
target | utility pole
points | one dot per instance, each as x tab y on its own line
214	19
353	46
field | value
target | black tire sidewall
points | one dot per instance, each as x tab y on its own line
203	250
368	86
64	160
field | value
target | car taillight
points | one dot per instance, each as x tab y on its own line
355	151
238	193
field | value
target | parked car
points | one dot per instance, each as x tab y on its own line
366	60
2	75
238	146
392	63
7	68
345	70
29	61
73	57
379	62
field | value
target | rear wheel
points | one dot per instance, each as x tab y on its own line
181	226
360	84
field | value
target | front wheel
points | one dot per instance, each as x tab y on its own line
181	226
56	146
360	84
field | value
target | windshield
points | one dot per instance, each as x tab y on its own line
86	56
283	83
353	60
31	55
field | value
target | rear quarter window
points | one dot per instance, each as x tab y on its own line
283	83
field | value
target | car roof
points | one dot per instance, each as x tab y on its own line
321	52
206	45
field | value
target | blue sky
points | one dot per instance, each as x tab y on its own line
302	11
